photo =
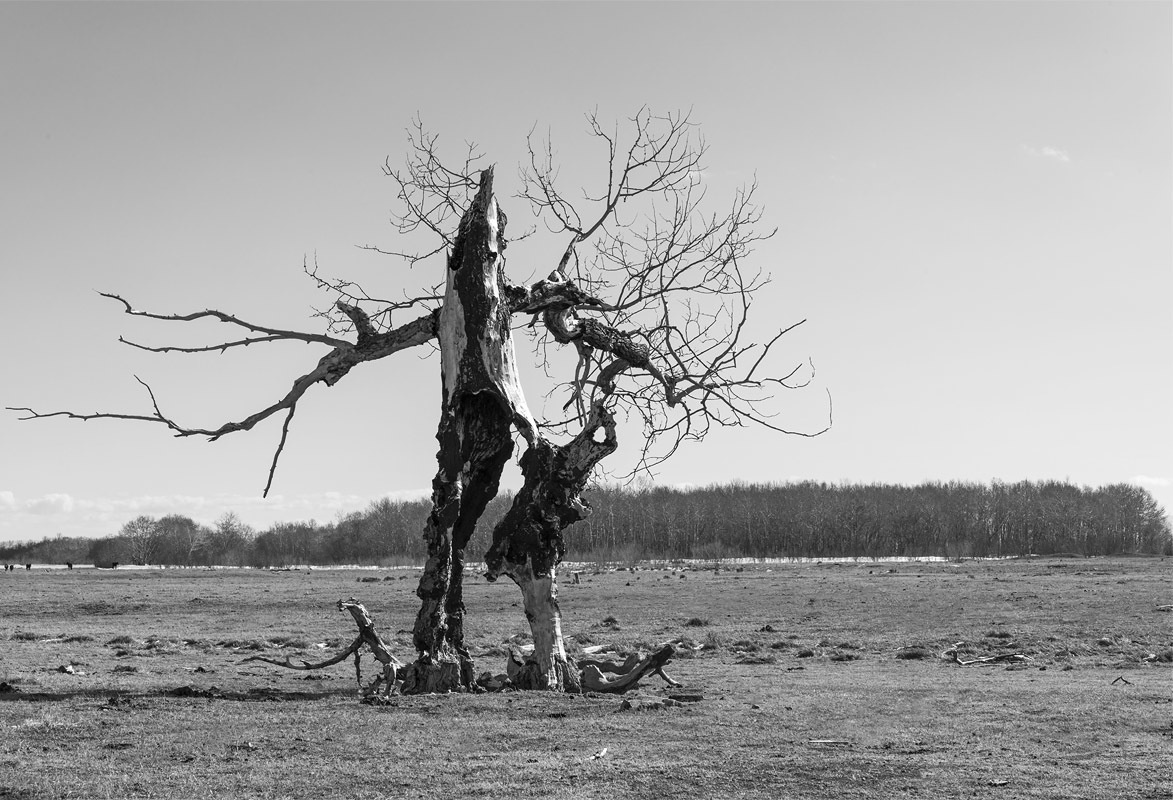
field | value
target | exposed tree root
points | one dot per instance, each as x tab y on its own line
588	674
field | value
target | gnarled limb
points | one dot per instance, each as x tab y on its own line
367	635
528	545
371	345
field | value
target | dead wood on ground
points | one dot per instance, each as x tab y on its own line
952	655
367	635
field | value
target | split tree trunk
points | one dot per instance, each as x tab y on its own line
528	545
482	400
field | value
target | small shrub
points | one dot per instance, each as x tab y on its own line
126	668
1165	657
781	645
713	641
697	622
747	645
159	643
120	641
80	637
998	635
289	641
839	655
806	652
24	636
238	644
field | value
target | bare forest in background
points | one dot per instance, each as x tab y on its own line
815	520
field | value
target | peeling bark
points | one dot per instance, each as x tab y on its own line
482	401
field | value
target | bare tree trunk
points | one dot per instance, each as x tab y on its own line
528	545
482	401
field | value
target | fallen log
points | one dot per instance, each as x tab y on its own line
952	655
367	635
628	674
592	673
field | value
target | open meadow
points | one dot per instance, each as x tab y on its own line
815	680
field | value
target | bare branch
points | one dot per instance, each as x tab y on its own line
273	334
668	284
351	293
280	447
332	367
432	195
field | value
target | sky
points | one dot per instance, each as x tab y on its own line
974	204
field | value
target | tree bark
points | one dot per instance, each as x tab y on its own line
528	544
481	402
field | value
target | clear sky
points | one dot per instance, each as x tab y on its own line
974	203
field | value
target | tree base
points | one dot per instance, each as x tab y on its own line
529	675
438	676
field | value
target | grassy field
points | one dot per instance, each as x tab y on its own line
818	680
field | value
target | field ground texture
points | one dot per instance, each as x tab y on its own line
818	680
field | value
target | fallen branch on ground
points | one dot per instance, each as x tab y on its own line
366	636
952	655
627	674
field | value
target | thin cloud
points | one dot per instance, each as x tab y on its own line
1148	480
1048	152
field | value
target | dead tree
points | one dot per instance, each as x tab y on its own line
652	307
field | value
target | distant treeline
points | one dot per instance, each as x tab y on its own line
628	524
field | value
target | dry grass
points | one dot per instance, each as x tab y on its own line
818	681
